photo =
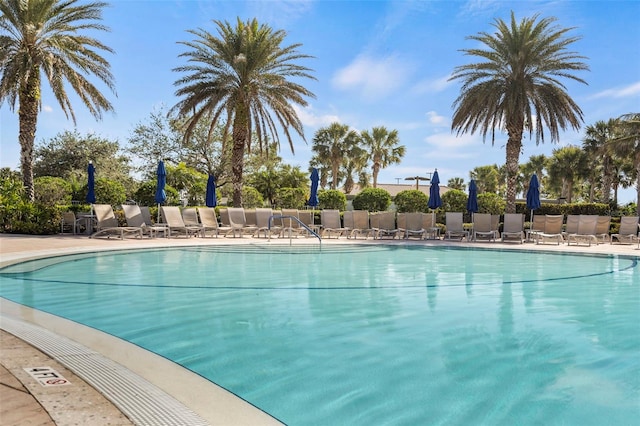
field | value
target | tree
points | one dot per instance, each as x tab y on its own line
330	145
626	143
457	183
384	149
566	166
49	39
68	154
517	87
244	75
486	177
596	146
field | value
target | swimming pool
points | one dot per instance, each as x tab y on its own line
371	334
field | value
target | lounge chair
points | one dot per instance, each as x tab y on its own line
586	233
455	226
262	223
384	224
571	227
628	232
536	226
291	226
135	219
358	222
430	226
172	216
238	222
552	230
602	228
209	222
410	225
513	227
331	225
482	227
308	218
68	222
107	224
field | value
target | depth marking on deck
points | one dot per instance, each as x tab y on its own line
47	376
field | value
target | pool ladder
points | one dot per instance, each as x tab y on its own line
302	224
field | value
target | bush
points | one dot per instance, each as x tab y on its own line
332	199
489	202
372	199
411	200
146	194
30	218
291	198
51	190
251	198
108	192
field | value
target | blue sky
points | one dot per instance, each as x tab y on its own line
376	63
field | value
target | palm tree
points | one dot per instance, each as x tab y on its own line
49	38
567	165
384	149
516	88
242	76
626	144
595	144
331	144
456	183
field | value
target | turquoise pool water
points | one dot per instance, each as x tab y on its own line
371	335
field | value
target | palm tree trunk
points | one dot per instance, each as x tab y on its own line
606	179
240	134
514	144
28	118
376	170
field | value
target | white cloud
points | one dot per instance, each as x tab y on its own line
436	119
619	92
431	85
47	108
374	78
451	142
309	117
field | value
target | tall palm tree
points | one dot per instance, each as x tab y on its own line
384	149
457	183
595	144
517	88
566	166
626	143
48	39
331	145
242	76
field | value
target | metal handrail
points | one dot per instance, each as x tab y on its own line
304	225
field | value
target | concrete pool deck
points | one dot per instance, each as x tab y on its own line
30	338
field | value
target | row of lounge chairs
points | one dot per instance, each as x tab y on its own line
237	222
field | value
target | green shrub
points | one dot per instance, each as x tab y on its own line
108	192
372	199
52	191
291	198
30	218
411	200
332	199
489	202
251	198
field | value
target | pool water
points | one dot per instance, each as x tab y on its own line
364	335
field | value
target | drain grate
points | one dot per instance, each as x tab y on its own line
141	401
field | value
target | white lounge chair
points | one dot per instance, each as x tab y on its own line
552	230
331	224
602	228
483	227
586	233
513	227
238	222
410	225
628	232
107	224
135	219
358	222
384	224
262	223
172	216
455	226
209	222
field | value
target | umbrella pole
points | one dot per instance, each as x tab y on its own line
158	213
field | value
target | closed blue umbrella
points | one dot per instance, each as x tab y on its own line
315	179
434	192
91	184
533	195
211	192
161	196
472	201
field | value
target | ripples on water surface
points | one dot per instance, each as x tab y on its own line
365	335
